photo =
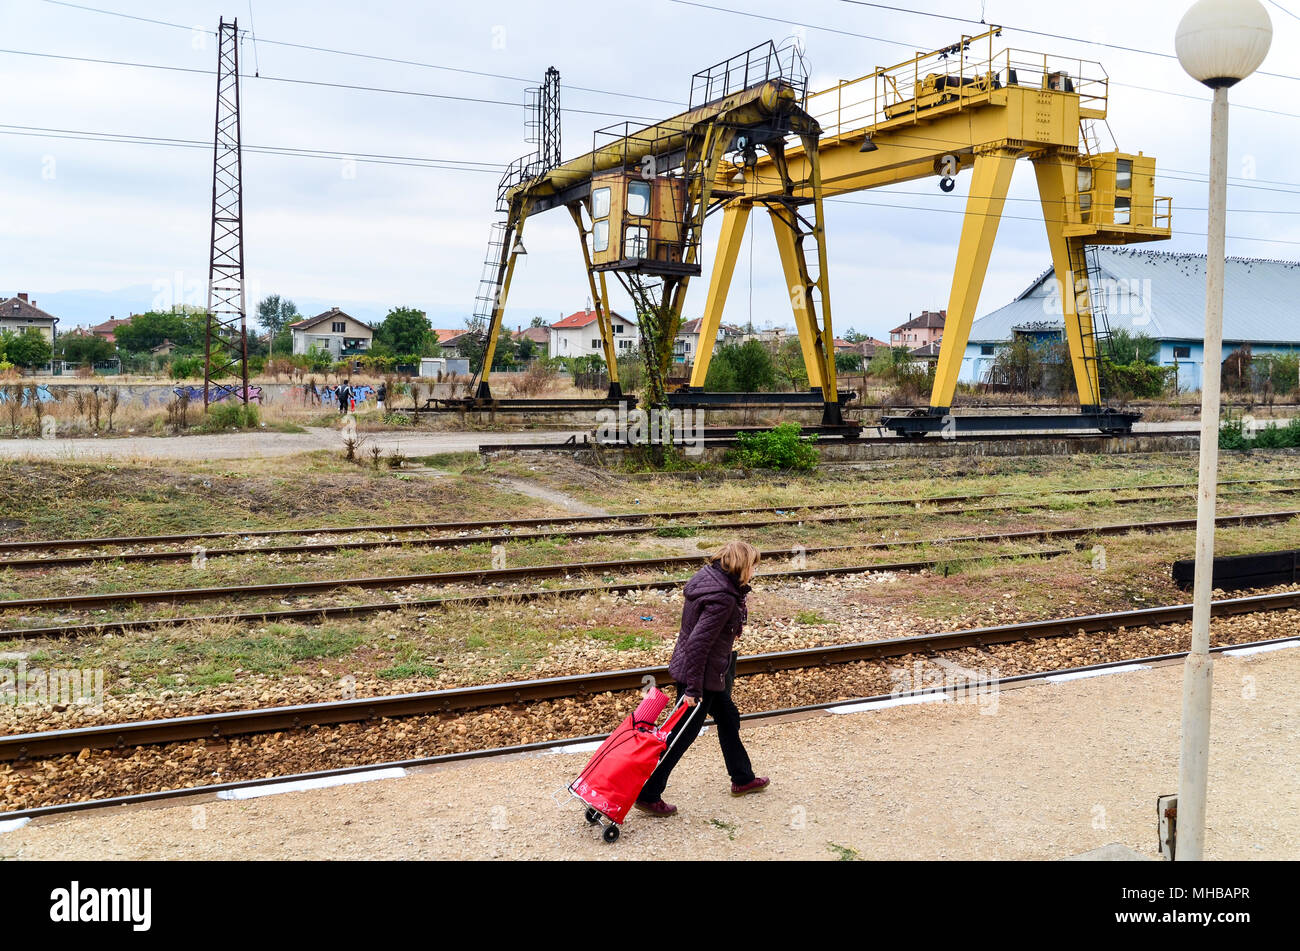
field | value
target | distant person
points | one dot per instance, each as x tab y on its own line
704	667
341	394
381	395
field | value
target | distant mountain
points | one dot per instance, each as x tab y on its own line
87	308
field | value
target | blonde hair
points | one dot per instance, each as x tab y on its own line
737	558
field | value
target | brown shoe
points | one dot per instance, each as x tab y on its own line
756	784
657	808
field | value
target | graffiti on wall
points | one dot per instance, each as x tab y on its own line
217	394
41	393
328	396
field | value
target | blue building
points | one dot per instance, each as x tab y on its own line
1161	295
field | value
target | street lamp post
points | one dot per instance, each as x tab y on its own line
1219	43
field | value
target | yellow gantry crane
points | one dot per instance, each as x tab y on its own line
969	106
639	201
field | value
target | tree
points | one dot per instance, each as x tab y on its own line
408	333
146	331
275	313
789	365
746	368
538	322
473	345
1127	348
848	361
282	343
28	349
86	349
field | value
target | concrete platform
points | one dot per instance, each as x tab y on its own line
1047	771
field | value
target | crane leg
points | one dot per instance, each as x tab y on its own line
734	218
821	369
988	193
1057	183
512	236
599	297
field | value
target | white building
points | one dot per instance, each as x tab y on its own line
687	343
578	335
18	315
1161	295
333	331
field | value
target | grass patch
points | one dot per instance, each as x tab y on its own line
676	532
843	853
728	827
451	461
810	618
624	640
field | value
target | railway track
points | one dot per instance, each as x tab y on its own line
731	442
128	541
461	541
222	726
327	612
490	576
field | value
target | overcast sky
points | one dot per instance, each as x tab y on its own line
92	228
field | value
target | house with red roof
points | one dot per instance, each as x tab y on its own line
578	335
108	329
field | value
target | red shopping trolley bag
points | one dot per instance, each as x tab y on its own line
620	767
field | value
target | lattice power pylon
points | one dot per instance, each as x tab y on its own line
226	343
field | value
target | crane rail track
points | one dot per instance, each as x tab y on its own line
493	575
461	541
56	544
122	736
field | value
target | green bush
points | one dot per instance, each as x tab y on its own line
187	368
1231	436
780	448
1135	380
747	368
233	416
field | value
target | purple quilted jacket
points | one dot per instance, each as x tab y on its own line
712	619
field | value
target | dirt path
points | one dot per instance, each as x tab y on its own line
252	445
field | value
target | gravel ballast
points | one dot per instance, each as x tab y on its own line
1052	771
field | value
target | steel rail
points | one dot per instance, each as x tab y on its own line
51	743
444	759
462	541
492	575
730	443
323	613
130	540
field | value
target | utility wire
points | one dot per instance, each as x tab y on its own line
458	165
312	82
370	56
1053	36
426	163
1284	10
916	46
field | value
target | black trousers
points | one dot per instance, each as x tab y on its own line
727	719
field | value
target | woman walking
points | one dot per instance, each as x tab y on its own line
704	666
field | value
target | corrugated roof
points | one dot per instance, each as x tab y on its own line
1162	294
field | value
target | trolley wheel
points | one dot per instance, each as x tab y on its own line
611	833
593	816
